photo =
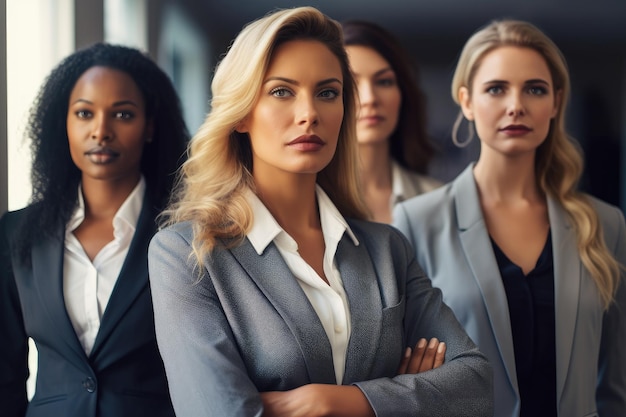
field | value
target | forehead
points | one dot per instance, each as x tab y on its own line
512	63
300	59
102	81
365	59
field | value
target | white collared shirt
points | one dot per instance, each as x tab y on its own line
328	300
87	285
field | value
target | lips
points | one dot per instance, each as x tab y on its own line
101	155
371	119
307	143
516	129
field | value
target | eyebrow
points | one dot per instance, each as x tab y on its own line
116	104
379	72
532	81
294	82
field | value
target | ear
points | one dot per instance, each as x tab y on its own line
558	97
242	127
465	100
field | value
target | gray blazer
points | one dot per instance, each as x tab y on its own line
242	325
448	231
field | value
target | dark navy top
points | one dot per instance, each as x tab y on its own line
531	309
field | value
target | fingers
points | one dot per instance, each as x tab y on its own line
402	369
429	355
426	356
440	355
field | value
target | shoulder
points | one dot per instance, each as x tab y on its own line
181	230
12	220
414	183
606	212
432	203
611	219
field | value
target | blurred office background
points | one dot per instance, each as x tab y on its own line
187	38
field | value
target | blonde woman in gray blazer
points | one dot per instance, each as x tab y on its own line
272	295
532	268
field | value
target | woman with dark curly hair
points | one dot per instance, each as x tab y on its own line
107	136
394	148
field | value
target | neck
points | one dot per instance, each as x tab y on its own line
104	198
291	200
507	179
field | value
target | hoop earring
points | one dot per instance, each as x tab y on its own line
455	130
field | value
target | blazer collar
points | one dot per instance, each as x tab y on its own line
567	275
476	244
285	294
133	277
274	278
47	261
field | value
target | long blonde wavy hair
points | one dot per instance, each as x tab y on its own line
559	162
212	183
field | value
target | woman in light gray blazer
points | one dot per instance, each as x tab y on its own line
531	267
272	295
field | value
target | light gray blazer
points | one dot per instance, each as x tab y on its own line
448	232
245	326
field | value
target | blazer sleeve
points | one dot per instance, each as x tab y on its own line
462	386
14	345
611	390
197	353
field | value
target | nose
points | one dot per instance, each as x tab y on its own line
516	106
307	113
101	130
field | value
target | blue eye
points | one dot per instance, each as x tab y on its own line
280	92
494	90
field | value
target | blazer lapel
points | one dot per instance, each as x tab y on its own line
274	278
477	247
133	277
567	275
354	264
47	257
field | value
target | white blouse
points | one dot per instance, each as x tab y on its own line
87	285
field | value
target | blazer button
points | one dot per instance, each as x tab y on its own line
89	384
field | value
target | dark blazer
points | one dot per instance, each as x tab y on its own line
243	325
450	237
124	374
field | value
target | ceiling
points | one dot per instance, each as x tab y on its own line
590	21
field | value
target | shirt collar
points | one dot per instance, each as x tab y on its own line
265	228
127	214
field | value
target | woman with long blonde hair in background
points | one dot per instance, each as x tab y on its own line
532	267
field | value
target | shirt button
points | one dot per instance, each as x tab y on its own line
89	384
338	328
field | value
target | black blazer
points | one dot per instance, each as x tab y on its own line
124	374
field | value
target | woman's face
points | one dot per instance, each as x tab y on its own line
294	125
379	95
106	125
511	102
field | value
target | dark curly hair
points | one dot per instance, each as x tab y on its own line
409	143
55	178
